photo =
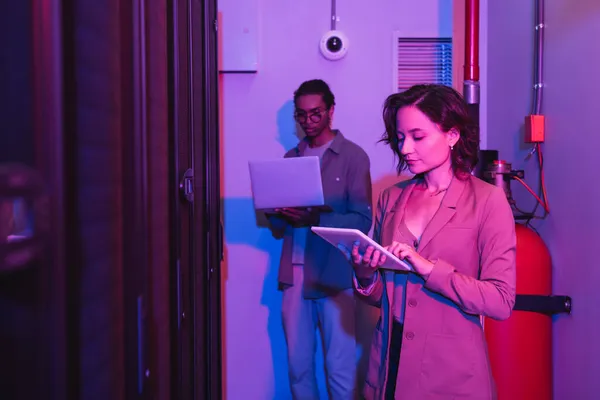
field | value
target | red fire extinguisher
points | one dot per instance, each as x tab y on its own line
520	348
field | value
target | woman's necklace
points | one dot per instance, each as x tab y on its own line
437	192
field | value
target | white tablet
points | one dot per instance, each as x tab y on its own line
347	238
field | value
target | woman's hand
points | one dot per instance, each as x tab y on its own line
365	265
421	265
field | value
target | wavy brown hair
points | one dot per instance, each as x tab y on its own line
445	107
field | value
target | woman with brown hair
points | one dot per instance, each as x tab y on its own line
458	234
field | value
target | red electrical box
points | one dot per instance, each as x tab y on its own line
534	129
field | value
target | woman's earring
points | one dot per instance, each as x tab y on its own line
451	148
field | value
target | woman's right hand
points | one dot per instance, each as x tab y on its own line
365	265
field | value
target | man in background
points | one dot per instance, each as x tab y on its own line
315	277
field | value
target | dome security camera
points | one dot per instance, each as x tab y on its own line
334	45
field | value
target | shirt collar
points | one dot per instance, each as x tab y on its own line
336	144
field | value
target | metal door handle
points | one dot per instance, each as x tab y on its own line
186	185
22	185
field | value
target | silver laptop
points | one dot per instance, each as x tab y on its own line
286	182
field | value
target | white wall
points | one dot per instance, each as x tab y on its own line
257	123
572	231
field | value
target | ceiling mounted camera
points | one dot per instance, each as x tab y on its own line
334	45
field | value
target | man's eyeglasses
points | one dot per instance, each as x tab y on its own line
315	117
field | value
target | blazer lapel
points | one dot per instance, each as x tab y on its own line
395	214
444	213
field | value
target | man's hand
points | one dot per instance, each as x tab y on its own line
299	217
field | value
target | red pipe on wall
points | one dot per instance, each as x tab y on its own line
471	40
471	67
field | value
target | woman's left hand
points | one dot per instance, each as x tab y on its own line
403	251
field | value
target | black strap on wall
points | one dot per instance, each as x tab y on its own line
549	305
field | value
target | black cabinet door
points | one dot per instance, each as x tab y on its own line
197	239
